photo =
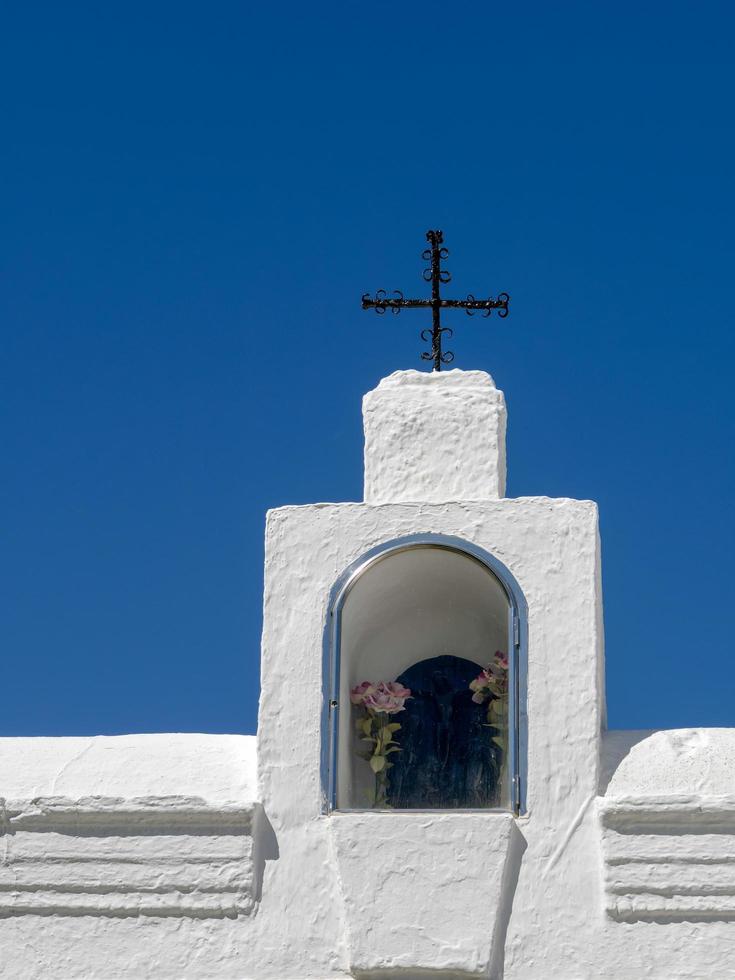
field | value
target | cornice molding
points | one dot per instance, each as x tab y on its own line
108	856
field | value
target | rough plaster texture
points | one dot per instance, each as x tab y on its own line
218	769
550	546
128	826
417	868
668	829
434	436
169	856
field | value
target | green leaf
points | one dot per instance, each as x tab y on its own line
393	727
499	740
393	748
499	708
377	763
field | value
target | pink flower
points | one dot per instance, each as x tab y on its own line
398	690
387	697
481	688
501	659
359	693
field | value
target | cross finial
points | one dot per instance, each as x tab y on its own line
434	274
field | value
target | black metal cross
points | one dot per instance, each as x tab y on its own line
435	275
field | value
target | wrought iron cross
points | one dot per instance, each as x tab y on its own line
436	276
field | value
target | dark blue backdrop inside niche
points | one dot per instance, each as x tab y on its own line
447	758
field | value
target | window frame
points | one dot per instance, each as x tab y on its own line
517	666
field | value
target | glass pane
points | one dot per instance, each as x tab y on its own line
423	720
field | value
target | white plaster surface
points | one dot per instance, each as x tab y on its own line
146	825
434	436
550	547
214	768
668	829
169	857
445	873
681	762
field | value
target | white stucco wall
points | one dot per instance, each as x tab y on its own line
551	549
434	436
114	850
218	769
185	856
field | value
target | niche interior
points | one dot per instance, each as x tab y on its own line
423	694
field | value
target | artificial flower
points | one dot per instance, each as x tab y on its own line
386	697
361	691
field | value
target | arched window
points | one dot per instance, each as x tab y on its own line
422	706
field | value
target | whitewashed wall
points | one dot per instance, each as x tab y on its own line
181	856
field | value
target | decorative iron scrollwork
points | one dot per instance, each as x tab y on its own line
382	301
437	276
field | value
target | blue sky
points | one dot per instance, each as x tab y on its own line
192	201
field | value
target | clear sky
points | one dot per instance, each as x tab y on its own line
193	199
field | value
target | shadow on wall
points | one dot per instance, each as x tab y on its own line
511	873
265	849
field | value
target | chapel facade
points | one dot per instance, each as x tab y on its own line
432	793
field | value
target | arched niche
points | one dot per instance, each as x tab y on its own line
443	619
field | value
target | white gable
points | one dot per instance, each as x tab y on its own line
171	856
